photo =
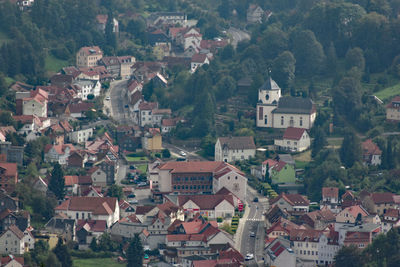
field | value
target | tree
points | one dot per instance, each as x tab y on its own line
63	254
267	176
57	182
166	154
310	57
350	151
115	191
53	261
283	69
135	252
355	58
225	88
93	244
319	142
349	256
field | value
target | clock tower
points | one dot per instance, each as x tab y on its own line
268	97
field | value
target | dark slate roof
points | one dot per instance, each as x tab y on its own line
270	85
295	105
238	142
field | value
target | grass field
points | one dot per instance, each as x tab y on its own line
142	168
96	262
335	142
54	64
389	92
304	157
301	164
136	158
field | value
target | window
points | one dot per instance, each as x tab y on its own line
291	121
265	119
282	120
301	121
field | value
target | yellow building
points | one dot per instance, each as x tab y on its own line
152	141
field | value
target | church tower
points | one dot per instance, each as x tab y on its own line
268	97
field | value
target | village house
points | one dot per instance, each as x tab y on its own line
330	199
88	56
7	202
349	215
282	173
77	110
371	153
393	110
80	136
279	253
294	203
99	177
32	125
33	102
58	153
152	140
13	154
380	202
101	21
294	140
192	177
358	235
11	260
305	244
21	219
87	229
255	14
92	208
12	241
275	111
211	206
8	176
166	18
391	219
318	219
281	228
86	88
230	149
118	66
198	60
78	159
167	125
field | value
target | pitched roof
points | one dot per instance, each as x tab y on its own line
309	235
332	192
237	142
59	148
396	100
295	105
148	105
292	199
279	166
141	210
97	205
205	202
355	210
269	84
168	122
381	198
191	166
293	133
389	213
92	225
10	168
15	230
91	50
71	180
199	58
370	148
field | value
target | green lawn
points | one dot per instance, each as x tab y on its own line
54	64
301	164
96	262
128	158
389	92
142	168
335	142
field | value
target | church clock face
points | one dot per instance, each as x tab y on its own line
236	187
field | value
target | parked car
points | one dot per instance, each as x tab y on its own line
133	201
249	256
142	184
252	234
255	199
132	167
182	153
108	98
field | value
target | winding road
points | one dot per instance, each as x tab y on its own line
238	36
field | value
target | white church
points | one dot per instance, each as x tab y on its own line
275	111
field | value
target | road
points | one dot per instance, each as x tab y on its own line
116	106
190	154
238	36
254	223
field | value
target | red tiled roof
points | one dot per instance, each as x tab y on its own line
205	202
59	148
10	168
332	192
97	205
148	105
395	99
305	234
381	198
270	162
168	122
71	180
370	148
355	210
102	18
293	133
142	210
92	225
191	166
199	58
88	50
7	259
389	213
279	166
292	199
15	230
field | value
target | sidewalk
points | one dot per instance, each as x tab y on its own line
239	232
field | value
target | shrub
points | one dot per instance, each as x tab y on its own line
220	219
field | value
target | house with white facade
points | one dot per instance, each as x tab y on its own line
32	125
275	111
291	202
254	14
279	253
99	177
294	140
92	208
390	220
58	153
330	199
211	206
393	110
33	102
371	153
12	241
197	61
80	136
229	149
87	87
